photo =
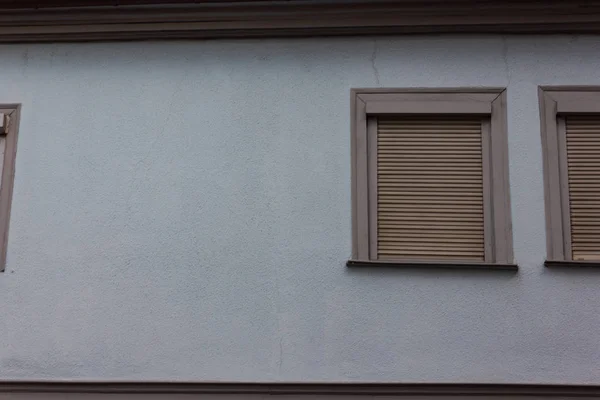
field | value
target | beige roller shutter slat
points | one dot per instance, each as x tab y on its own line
583	160
430	189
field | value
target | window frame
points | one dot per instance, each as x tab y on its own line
555	102
366	104
8	174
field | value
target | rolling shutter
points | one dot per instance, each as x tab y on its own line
583	158
430	188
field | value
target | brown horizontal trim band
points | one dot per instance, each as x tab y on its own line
433	264
386	389
577	107
570	88
144	20
23	4
570	264
428	107
20	4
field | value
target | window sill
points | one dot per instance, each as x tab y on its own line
572	264
433	264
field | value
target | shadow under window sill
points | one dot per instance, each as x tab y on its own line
571	264
433	264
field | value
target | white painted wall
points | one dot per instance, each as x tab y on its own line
182	211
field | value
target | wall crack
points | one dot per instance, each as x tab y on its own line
505	58
373	60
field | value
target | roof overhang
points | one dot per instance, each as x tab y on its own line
80	20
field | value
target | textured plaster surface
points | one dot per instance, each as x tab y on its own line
182	212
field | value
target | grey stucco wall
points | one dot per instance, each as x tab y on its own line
182	211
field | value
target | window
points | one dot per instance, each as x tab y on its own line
9	122
430	178
570	123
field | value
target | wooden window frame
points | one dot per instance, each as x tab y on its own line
366	104
9	129
555	103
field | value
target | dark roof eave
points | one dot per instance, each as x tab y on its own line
89	20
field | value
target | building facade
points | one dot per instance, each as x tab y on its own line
182	211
